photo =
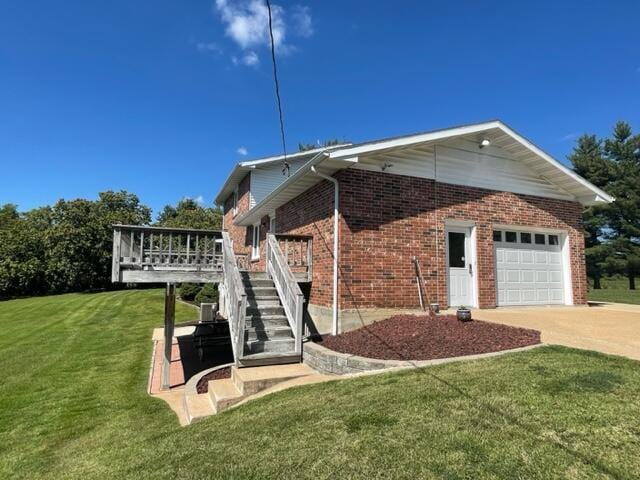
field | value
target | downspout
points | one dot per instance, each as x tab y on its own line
336	193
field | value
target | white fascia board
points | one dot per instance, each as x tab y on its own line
292	156
413	139
567	171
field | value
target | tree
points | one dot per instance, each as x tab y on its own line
624	215
79	242
588	161
612	231
22	254
303	147
189	214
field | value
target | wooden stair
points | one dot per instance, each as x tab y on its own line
268	338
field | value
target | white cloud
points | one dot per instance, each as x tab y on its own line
569	136
247	24
250	59
199	199
208	47
242	151
301	17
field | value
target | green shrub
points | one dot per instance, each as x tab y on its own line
188	291
208	294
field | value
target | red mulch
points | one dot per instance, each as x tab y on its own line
409	337
203	383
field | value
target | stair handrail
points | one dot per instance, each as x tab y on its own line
236	298
288	289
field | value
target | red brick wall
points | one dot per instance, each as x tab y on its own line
241	236
311	213
387	219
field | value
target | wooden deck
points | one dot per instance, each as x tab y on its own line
143	254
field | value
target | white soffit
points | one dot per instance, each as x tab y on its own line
500	136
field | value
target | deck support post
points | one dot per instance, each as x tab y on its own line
169	324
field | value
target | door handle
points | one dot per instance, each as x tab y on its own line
470	269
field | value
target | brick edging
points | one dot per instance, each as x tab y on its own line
329	361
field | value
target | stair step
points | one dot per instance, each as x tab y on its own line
268	333
266	321
197	407
261	297
223	393
275	345
258	283
269	358
250	276
253	291
264	310
251	380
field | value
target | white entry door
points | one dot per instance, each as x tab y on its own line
460	267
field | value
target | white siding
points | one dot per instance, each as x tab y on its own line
461	162
265	179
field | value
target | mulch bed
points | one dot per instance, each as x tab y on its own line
410	337
203	383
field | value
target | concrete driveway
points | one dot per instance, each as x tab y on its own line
608	328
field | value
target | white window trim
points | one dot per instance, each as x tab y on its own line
235	201
272	223
255	242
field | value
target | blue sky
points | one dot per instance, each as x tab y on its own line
161	98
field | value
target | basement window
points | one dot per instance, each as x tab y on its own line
255	247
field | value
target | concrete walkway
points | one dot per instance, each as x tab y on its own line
608	328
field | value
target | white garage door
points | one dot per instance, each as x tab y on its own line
528	268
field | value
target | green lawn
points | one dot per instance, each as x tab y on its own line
73	405
616	290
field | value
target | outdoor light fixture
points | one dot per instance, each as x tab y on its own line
484	143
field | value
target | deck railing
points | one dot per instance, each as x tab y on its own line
289	291
236	298
160	249
297	252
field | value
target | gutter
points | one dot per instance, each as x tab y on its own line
336	207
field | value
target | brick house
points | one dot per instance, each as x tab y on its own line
491	219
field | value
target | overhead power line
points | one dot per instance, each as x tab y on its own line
285	164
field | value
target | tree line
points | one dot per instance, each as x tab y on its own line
612	231
67	247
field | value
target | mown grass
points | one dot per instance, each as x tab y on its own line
616	290
73	405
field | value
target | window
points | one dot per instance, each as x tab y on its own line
235	201
255	248
540	239
525	237
456	249
553	240
511	237
497	236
